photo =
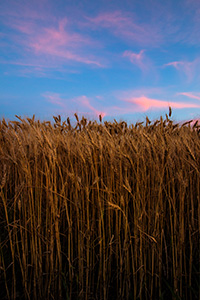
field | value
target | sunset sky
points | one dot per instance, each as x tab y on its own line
123	59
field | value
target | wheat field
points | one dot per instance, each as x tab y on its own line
99	210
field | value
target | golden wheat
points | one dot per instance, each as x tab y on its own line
99	210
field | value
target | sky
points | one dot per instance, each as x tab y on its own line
123	59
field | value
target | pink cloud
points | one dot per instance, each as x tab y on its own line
54	98
59	37
52	43
88	106
85	101
99	97
150	93
189	68
139	59
145	103
190	95
125	26
62	44
175	64
84	104
22	26
134	57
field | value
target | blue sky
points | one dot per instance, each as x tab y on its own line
122	59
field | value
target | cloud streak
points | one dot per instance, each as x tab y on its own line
145	103
190	95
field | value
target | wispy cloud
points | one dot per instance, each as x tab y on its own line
149	92
139	59
37	67
125	26
54	98
52	44
190	95
134	57
189	68
84	104
60	43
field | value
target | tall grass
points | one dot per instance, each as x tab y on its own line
99	210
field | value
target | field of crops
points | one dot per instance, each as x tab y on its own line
99	210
